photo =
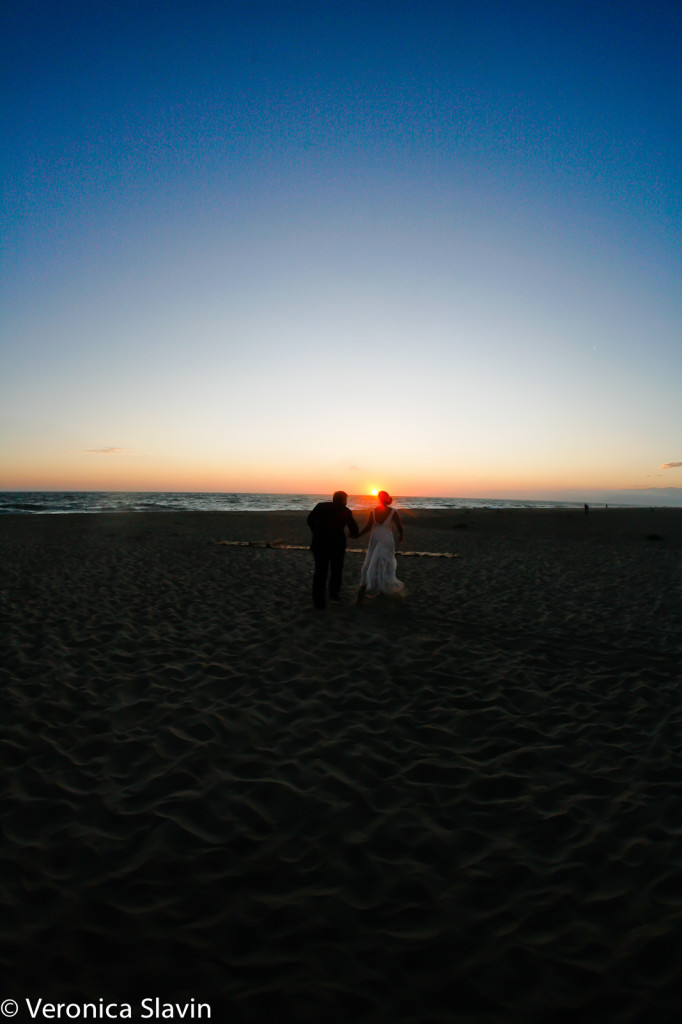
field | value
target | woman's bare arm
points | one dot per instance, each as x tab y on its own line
368	525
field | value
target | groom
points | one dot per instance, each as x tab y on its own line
328	521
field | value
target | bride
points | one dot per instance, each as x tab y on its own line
378	570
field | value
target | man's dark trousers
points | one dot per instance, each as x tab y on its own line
328	561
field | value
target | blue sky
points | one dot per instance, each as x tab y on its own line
299	246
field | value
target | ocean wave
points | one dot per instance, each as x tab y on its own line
63	502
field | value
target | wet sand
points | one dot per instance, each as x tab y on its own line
463	806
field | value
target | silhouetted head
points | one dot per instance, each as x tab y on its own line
340	498
384	498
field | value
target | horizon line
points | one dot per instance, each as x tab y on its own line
459	497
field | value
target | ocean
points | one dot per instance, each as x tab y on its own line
63	502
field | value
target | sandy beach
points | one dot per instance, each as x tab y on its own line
464	806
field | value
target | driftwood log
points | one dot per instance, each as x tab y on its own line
281	546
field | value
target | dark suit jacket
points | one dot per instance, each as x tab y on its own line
328	521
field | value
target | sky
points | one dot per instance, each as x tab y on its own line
432	247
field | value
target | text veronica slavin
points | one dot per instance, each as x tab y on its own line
150	1009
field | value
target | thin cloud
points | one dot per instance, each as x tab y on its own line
670	465
109	451
659	490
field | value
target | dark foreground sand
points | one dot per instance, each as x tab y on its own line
462	807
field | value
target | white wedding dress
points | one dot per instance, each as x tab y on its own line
378	569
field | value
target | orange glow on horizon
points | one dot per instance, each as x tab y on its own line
131	469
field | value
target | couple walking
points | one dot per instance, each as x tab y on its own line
328	522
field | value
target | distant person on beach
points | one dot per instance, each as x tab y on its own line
378	570
329	521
